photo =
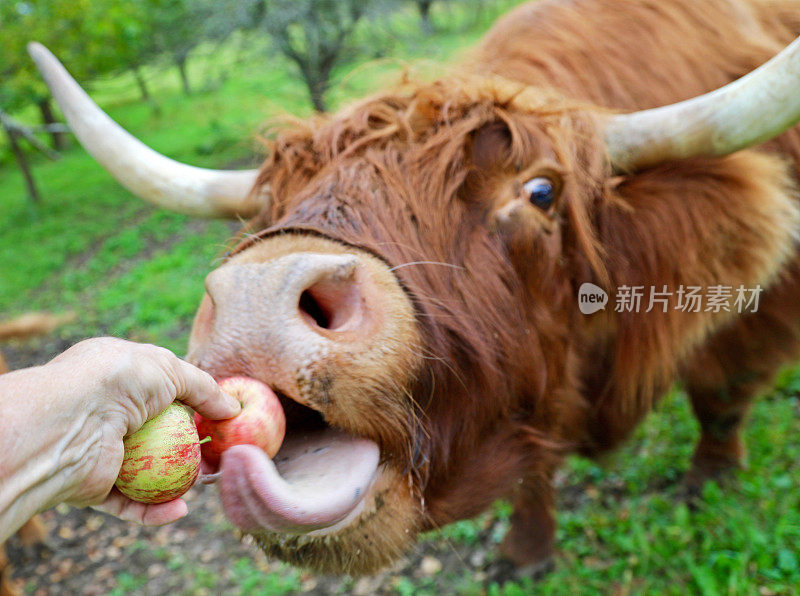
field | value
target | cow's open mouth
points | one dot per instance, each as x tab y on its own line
317	482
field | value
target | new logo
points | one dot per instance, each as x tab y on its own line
591	298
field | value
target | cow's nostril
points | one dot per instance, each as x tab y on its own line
310	306
334	305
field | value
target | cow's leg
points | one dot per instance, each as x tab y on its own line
529	541
732	368
33	532
7	587
3	565
720	449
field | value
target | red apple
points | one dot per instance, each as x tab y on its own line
162	459
261	422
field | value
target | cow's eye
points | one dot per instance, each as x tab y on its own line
541	192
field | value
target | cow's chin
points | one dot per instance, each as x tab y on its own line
381	527
325	502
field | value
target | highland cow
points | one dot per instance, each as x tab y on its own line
409	278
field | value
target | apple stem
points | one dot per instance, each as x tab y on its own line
206	440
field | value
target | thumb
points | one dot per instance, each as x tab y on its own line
200	391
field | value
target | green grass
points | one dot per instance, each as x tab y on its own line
128	583
251	580
137	272
740	538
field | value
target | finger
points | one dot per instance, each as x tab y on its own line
159	514
165	513
201	392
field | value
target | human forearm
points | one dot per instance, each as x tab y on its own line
43	443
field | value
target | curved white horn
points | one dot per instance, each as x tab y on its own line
749	111
146	173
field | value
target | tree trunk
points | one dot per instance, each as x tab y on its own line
59	139
142	84
317	83
424	7
23	164
146	97
317	95
180	62
322	80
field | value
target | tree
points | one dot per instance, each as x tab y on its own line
316	35
20	85
117	37
176	29
424	7
92	36
14	132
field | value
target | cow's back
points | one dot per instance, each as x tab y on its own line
637	54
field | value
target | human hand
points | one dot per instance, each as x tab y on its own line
94	394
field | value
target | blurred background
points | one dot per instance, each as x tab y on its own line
198	80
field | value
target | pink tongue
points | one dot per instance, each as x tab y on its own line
316	480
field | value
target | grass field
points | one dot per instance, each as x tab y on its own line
133	271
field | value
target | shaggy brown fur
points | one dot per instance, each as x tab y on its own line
23	327
515	376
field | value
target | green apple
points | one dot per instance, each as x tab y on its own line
162	459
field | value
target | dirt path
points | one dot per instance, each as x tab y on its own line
92	553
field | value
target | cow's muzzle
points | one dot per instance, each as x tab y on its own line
308	297
330	329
